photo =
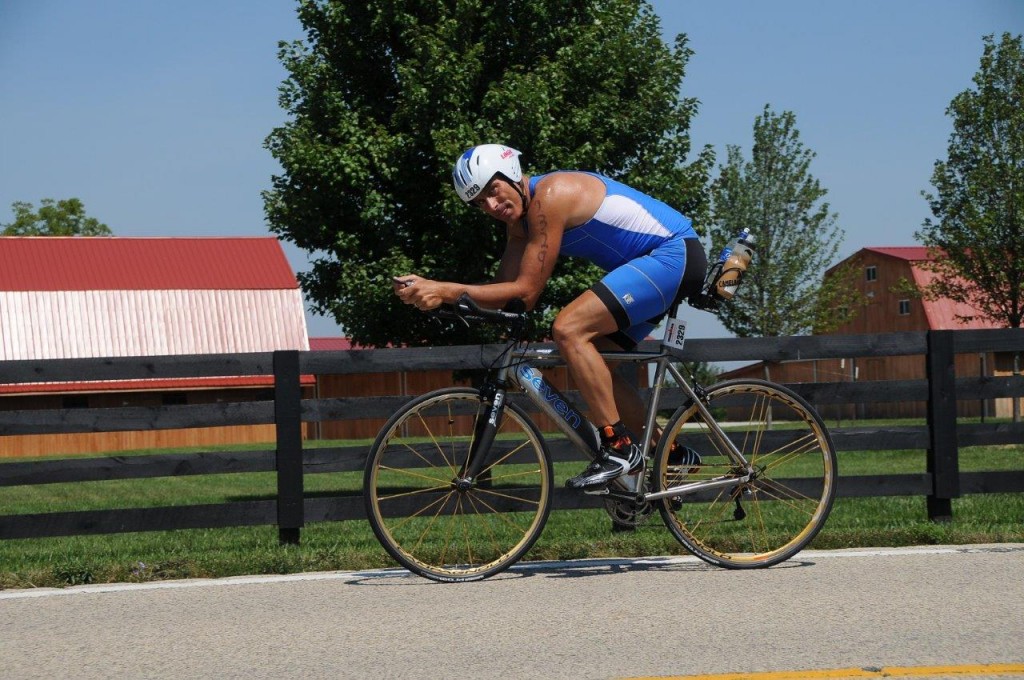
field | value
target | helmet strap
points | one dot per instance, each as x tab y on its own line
519	190
522	196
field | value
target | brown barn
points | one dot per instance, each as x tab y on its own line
81	297
891	310
401	383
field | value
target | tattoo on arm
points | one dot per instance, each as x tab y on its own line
542	231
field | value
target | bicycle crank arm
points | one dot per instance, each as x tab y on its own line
616	495
694	487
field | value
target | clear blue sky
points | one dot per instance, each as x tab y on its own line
154	114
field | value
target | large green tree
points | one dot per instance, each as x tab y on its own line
796	237
54	218
978	232
383	96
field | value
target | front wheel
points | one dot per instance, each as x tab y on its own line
430	525
785	501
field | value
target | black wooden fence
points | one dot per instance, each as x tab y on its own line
292	508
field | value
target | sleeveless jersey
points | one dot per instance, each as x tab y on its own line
627	225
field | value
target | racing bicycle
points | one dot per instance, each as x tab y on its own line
459	482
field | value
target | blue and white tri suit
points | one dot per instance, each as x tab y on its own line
651	252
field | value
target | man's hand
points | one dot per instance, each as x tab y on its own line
415	290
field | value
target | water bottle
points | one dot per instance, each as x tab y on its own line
732	263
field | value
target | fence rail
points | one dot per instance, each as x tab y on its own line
291	507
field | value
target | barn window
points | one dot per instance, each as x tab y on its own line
904	307
871	273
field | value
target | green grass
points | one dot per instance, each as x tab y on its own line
854	522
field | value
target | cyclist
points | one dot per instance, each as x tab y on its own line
651	254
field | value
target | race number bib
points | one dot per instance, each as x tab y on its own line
675	332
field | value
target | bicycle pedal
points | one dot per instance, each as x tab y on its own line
602	491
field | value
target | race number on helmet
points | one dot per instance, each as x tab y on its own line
480	164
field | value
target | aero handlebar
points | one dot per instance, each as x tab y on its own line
467	310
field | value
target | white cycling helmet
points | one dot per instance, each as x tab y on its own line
480	164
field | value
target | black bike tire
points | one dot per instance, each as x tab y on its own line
824	507
436	572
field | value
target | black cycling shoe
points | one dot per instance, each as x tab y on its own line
620	457
684	456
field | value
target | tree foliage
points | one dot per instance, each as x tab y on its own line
796	238
54	218
383	96
978	232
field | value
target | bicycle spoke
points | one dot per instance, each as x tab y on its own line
505	476
404	472
714	513
758	522
785	494
430	523
433	438
783	456
499	516
440	503
504	458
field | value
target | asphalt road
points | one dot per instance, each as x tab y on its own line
936	606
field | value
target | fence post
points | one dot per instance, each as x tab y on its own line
943	454
288	424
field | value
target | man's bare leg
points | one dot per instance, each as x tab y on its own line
577	330
582	322
628	400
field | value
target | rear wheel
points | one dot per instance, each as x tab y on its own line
428	524
780	509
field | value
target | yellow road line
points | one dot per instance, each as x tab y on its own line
867	672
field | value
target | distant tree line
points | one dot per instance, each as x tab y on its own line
53	218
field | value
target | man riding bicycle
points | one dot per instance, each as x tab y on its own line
651	254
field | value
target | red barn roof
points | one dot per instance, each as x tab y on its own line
332	344
909	253
52	263
82	297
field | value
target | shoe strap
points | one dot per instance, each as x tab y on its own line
615	436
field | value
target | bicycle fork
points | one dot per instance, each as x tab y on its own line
488	422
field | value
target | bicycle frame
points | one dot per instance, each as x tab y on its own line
519	369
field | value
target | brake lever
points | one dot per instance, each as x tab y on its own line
447	312
465	309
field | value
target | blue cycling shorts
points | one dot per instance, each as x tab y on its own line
640	292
